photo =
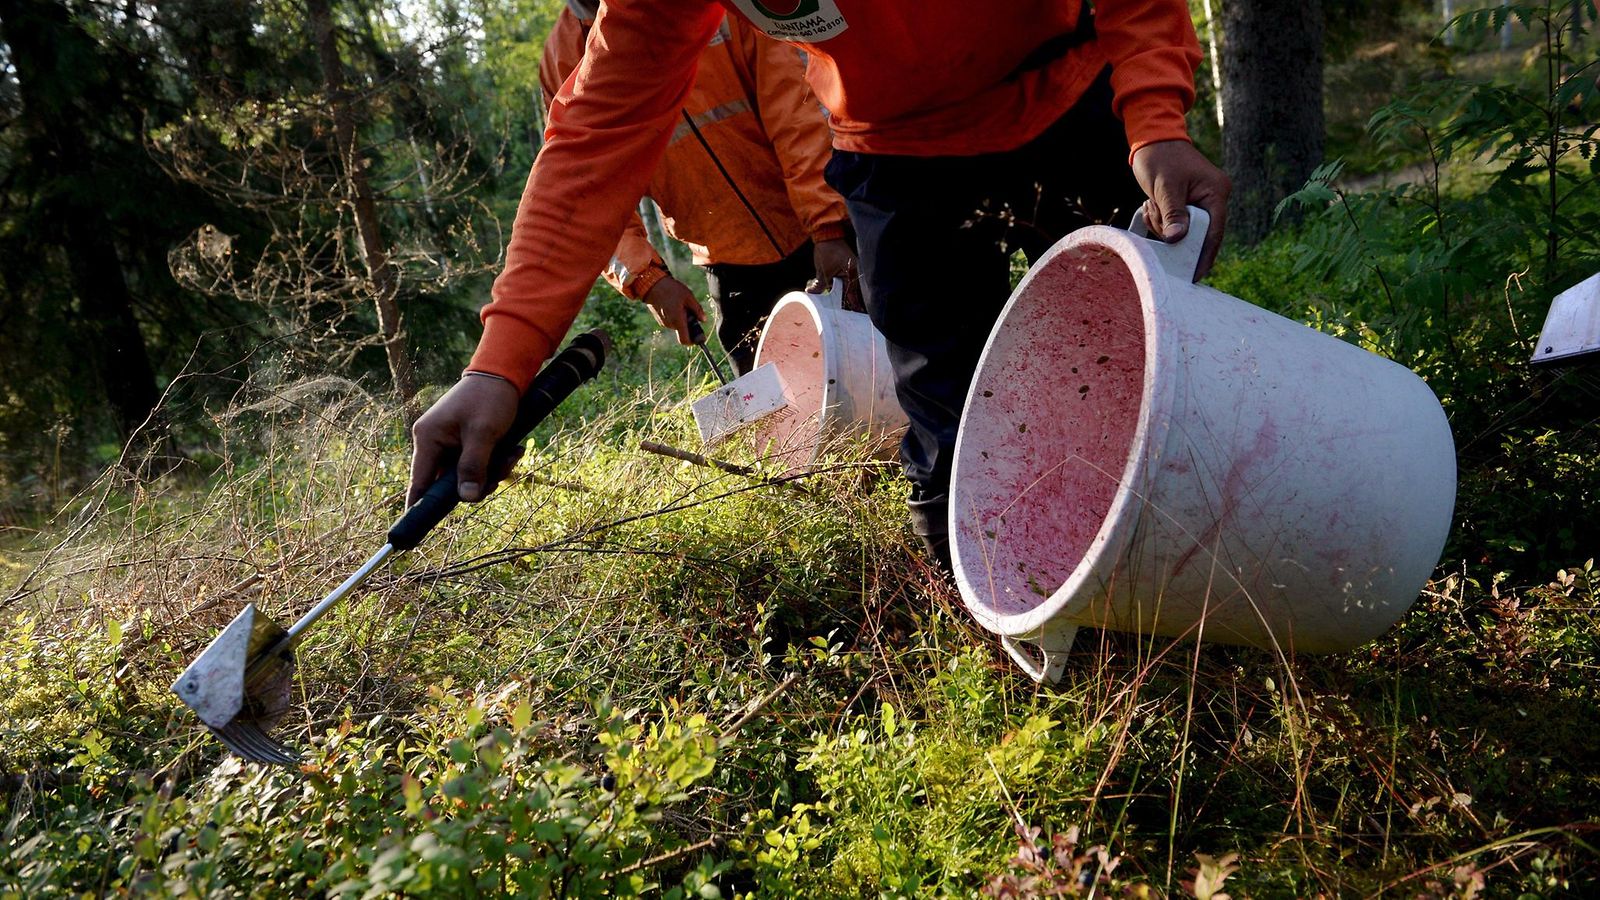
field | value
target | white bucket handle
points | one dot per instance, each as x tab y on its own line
833	299
1181	260
1052	659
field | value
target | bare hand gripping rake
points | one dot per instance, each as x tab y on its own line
240	685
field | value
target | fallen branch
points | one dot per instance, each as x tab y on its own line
699	460
755	709
669	856
578	538
690	456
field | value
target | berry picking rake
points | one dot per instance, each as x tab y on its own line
240	685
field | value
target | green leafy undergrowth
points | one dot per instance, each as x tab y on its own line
908	806
807	709
1450	273
478	800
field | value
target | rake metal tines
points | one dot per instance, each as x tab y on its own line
247	741
241	685
269	681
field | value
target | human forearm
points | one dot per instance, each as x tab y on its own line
794	123
608	129
1153	53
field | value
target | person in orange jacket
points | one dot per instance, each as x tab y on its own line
961	130
741	183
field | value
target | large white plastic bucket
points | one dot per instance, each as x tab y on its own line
1144	454
836	377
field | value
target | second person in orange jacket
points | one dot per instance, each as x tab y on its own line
958	128
741	184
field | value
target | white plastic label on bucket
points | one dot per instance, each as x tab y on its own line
1571	330
741	402
1145	454
836	376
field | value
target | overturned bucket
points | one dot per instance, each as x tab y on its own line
836	379
1145	454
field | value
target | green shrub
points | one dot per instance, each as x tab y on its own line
477	801
1451	275
932	805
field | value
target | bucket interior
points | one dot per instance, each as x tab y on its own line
793	341
1049	430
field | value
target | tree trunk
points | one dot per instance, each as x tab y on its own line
670	250
45	46
1272	101
358	188
112	330
1215	56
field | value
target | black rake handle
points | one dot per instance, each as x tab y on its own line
697	334
561	376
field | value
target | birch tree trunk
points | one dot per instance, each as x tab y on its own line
1216	59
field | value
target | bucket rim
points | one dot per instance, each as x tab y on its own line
827	334
1150	431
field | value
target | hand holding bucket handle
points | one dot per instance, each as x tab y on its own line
1181	260
844	293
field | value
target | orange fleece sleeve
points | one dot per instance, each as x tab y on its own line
609	127
1153	53
794	123
635	256
563	50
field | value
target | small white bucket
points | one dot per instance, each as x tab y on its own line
1144	454
836	377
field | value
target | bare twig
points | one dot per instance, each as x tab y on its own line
696	458
671	855
755	709
689	456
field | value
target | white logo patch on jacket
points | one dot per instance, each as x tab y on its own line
805	21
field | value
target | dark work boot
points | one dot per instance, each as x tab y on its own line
937	546
929	523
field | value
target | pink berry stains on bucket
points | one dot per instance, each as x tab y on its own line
837	380
1059	426
792	340
1142	453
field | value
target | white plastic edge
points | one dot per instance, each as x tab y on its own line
1151	432
1181	260
1054	659
833	298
